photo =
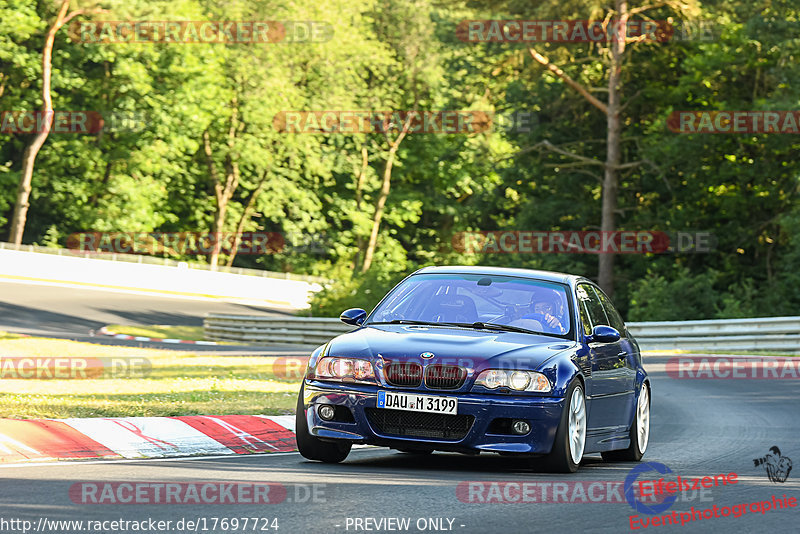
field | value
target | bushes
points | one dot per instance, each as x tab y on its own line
353	290
700	296
685	297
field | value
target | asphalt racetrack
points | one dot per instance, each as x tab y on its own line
72	313
699	428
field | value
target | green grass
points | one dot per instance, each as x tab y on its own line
9	335
177	384
190	333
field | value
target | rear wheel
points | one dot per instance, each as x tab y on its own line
570	438
639	434
312	447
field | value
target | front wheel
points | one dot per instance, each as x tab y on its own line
570	438
313	448
639	434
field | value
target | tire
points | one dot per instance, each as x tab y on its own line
313	448
639	433
566	457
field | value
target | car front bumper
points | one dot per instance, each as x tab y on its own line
542	413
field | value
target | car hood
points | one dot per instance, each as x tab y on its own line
466	347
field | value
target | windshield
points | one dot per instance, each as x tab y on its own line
521	303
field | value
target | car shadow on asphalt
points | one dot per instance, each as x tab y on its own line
444	461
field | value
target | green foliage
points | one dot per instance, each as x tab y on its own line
353	290
680	297
398	55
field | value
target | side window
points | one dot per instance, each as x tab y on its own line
613	315
590	305
585	322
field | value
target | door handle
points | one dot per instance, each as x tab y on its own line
623	353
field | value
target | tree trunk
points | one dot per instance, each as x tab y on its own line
384	194
362	175
237	237
605	271
219	214
222	192
379	207
219	226
29	158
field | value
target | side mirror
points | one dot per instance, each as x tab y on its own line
604	334
353	316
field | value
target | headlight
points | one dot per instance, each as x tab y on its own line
519	380
343	370
516	380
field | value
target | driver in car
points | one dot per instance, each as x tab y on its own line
545	308
543	313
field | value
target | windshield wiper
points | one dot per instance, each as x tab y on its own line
486	326
411	321
502	328
478	325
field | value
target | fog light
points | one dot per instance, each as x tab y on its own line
521	427
327	412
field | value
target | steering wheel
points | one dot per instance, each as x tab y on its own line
540	317
511	312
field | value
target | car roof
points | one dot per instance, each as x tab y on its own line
549	276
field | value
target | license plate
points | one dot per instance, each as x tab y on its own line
417	403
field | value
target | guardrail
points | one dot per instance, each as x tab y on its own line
764	333
156	260
770	333
307	331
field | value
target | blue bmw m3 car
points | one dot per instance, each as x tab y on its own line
479	359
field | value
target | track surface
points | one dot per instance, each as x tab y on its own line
64	312
700	428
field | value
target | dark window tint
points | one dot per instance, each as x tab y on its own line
594	308
585	322
613	315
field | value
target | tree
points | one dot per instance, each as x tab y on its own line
29	157
410	81
386	183
615	25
